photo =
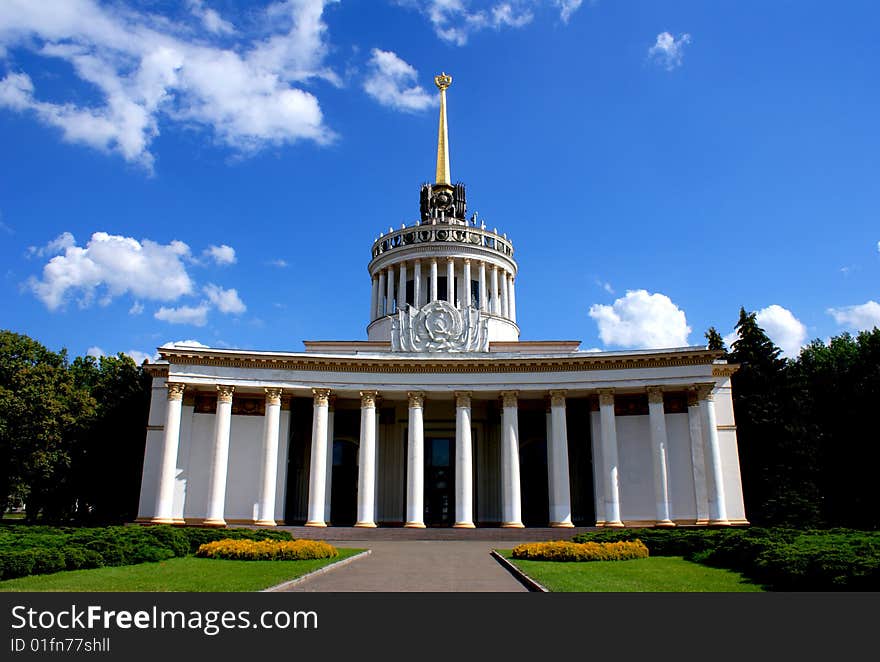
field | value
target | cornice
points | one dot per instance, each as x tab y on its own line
438	364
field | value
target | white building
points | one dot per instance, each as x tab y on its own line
442	417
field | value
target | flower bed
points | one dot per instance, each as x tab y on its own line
267	550
588	551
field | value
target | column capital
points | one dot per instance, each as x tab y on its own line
331	401
273	396
175	390
655	395
450	259
467	261
693	397
462	398
416	399
557	398
509	398
224	393
705	391
606	396
321	397
368	399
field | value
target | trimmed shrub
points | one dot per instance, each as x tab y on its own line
267	550
560	550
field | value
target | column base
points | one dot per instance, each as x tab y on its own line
464	525
317	524
667	523
366	525
414	525
158	520
613	525
512	525
216	522
562	525
265	522
719	522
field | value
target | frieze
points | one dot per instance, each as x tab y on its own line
439	326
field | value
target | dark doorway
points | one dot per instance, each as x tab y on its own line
533	481
343	488
439	482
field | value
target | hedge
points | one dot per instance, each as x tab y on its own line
560	550
780	559
36	550
267	550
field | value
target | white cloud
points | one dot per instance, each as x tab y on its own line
392	82
641	319
112	265
226	301
95	351
863	317
605	285
195	315
668	51
281	264
58	245
455	20
210	19
221	255
184	343
785	330
567	8
147	70
136	308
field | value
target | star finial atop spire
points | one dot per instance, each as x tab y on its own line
443	81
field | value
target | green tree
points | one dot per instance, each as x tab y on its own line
714	339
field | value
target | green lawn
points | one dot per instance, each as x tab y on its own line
655	574
180	574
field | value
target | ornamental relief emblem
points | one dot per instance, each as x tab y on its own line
439	326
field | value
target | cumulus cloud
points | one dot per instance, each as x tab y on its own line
222	255
643	320
392	82
863	317
668	51
139	357
95	351
194	315
148	71
184	343
226	301
111	265
785	330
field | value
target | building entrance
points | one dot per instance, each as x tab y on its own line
439	481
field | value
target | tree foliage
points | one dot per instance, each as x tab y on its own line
71	434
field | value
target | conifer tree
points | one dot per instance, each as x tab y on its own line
714	339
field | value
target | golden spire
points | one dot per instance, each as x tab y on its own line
443	178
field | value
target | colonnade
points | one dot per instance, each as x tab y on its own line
495	293
703	437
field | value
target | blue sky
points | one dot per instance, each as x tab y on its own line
199	171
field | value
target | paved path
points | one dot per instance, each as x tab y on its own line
417	566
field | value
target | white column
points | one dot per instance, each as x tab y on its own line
557	463
389	295
269	470
511	501
366	513
466	277
464	463
717	502
484	304
318	464
374	298
512	303
415	464
417	285
328	483
401	290
450	281
609	455
697	457
164	512
380	300
220	458
495	305
660	454
433	280
505	295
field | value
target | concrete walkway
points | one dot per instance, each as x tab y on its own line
417	566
